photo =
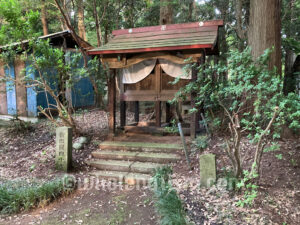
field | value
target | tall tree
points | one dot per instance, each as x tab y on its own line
291	42
264	30
44	17
166	12
81	26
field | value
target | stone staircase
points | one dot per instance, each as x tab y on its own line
132	162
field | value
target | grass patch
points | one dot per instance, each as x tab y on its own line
167	203
119	216
22	195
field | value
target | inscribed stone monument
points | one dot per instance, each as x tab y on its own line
63	158
207	170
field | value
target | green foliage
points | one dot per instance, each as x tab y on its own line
20	126
173	129
274	147
249	187
119	216
167	203
201	142
291	25
248	95
294	162
94	71
22	195
18	25
279	156
231	180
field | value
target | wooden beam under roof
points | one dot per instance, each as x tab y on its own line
184	58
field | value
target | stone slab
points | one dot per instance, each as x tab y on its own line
124	166
111	165
208	174
127	177
136	156
140	146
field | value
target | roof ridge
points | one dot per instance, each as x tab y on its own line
168	27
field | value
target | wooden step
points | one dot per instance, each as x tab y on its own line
141	147
123	177
136	156
124	166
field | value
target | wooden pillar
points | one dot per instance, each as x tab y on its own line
158	90
21	92
3	98
136	111
168	112
123	104
112	103
122	113
158	113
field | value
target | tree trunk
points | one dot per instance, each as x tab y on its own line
296	73
81	27
239	23
264	32
289	77
192	5
98	32
223	7
44	18
166	12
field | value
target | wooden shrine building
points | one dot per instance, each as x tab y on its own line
148	58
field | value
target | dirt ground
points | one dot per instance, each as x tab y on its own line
30	155
278	200
93	207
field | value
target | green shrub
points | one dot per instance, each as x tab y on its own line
201	142
19	126
247	184
167	203
231	180
21	195
173	129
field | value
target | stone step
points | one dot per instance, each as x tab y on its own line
136	156
140	146
123	177
124	166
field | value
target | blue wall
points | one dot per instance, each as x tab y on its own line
31	94
42	97
11	90
82	91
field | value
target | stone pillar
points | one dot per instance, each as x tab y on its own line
63	158
208	173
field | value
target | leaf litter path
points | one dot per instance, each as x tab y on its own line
89	207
